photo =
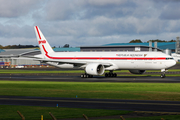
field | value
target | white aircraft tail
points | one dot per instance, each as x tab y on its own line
43	43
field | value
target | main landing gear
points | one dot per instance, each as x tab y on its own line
86	76
110	74
163	73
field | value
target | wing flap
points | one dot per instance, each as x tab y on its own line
72	62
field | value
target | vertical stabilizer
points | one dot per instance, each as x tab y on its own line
43	43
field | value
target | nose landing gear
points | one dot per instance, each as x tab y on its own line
163	73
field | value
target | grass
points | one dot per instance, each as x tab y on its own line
165	117
15	71
136	91
4	71
9	112
125	72
150	75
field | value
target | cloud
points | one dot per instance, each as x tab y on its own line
79	9
106	2
62	10
16	8
171	11
14	31
89	22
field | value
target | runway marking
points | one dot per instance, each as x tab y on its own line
80	101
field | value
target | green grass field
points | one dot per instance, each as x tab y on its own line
9	112
136	91
165	117
34	113
121	72
2	71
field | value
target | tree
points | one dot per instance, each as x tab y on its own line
1	47
136	41
157	40
172	41
66	46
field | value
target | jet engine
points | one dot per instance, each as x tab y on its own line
94	69
137	71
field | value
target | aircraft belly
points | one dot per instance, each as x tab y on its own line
133	64
140	65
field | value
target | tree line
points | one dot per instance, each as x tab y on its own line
157	40
17	46
26	46
67	45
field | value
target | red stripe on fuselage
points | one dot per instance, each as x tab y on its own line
38	32
103	58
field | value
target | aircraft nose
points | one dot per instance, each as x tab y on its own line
173	62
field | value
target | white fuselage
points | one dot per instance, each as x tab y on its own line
119	60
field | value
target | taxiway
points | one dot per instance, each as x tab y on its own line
132	105
146	79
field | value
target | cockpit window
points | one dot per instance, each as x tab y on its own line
170	58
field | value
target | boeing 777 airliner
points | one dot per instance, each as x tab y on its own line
95	63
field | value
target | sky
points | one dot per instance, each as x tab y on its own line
88	22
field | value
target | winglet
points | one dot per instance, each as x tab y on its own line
43	43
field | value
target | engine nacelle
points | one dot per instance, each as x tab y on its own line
137	71
94	69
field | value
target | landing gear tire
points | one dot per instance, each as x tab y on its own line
163	75
110	75
106	75
114	75
86	76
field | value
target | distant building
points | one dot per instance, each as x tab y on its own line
10	56
160	45
118	48
76	49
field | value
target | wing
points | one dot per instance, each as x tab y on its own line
74	62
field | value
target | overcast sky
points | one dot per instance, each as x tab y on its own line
88	22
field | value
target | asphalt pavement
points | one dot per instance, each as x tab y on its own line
144	79
112	104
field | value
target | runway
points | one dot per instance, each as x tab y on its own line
132	105
146	79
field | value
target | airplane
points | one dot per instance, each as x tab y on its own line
96	63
